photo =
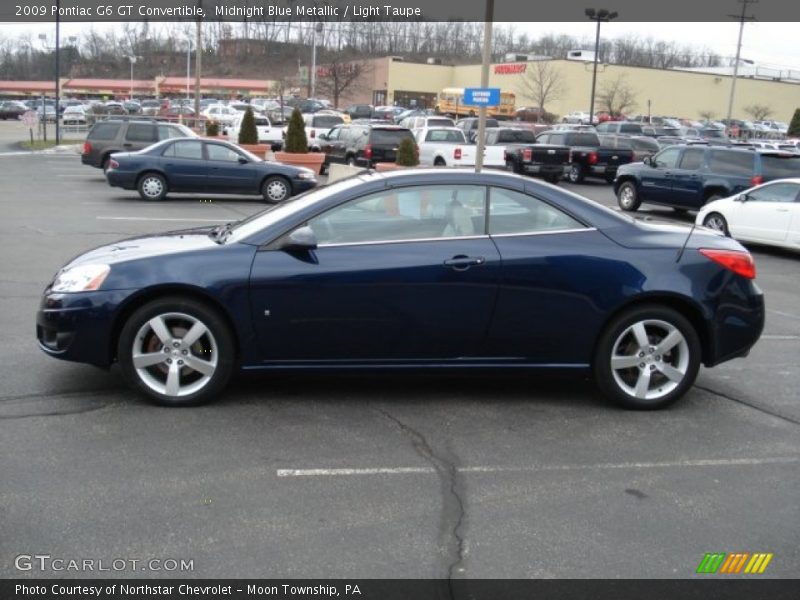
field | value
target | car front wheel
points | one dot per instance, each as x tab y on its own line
628	197
177	351
575	174
716	221
647	358
276	189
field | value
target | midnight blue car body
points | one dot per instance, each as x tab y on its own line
204	166
540	300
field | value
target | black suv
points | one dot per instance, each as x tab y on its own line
126	135
363	144
686	177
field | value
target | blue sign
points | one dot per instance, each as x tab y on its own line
482	96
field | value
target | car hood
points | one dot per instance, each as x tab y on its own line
173	242
716	205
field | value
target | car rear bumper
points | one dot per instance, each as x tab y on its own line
738	322
121	179
540	169
78	327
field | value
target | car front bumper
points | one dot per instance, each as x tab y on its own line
79	326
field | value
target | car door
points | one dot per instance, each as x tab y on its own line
766	212
228	170
656	178
686	178
185	166
400	274
552	265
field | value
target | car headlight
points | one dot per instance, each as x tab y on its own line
306	174
83	278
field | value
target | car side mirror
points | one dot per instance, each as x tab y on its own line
302	238
741	198
323	136
243	160
648	161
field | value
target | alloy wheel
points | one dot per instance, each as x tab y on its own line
152	187
276	190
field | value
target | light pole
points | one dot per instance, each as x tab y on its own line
742	18
312	77
133	59
188	68
601	16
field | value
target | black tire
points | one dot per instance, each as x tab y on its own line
713	197
104	164
610	178
680	211
439	162
628	197
276	189
717	222
152	187
512	166
576	173
644	386
213	351
351	161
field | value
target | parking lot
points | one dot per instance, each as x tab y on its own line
374	476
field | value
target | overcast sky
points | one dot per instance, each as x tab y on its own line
768	43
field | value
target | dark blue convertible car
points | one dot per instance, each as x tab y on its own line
414	269
205	166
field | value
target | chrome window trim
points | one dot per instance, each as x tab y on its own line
407	241
548	232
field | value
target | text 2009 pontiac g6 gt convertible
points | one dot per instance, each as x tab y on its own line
414	269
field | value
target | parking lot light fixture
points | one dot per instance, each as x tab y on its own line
600	16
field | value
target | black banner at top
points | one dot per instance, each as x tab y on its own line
388	10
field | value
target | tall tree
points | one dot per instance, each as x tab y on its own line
542	82
617	96
338	76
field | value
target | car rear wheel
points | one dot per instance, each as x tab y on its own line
628	197
177	351
575	174
275	189
439	162
716	221
554	179
152	186
647	358
351	161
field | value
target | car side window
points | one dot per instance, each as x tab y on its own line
166	132
692	159
543	138
776	192
185	149
603	127
404	214
667	159
220	153
732	163
516	213
141	132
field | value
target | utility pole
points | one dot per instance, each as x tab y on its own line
487	58
58	73
198	59
600	16
742	18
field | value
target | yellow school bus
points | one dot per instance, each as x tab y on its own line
451	102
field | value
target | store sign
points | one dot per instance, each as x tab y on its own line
510	69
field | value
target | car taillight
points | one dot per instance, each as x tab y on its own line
739	262
87	148
570	155
527	155
313	133
112	164
756	180
592	158
457	154
368	151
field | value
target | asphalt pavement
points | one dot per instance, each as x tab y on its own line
495	476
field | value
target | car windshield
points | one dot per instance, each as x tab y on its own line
255	223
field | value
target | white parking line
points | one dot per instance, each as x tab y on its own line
154	219
780	337
708	462
783	314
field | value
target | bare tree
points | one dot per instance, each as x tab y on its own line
707	115
338	76
617	96
542	82
759	112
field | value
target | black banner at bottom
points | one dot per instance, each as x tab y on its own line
401	589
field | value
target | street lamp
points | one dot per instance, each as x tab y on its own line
313	74
601	16
188	68
133	59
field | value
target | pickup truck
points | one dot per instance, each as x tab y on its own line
587	157
519	150
443	147
267	132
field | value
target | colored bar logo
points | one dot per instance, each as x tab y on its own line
734	563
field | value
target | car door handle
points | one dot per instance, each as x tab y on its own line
127	145
462	263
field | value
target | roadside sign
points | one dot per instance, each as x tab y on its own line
482	96
30	118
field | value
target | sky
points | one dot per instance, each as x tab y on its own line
770	44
